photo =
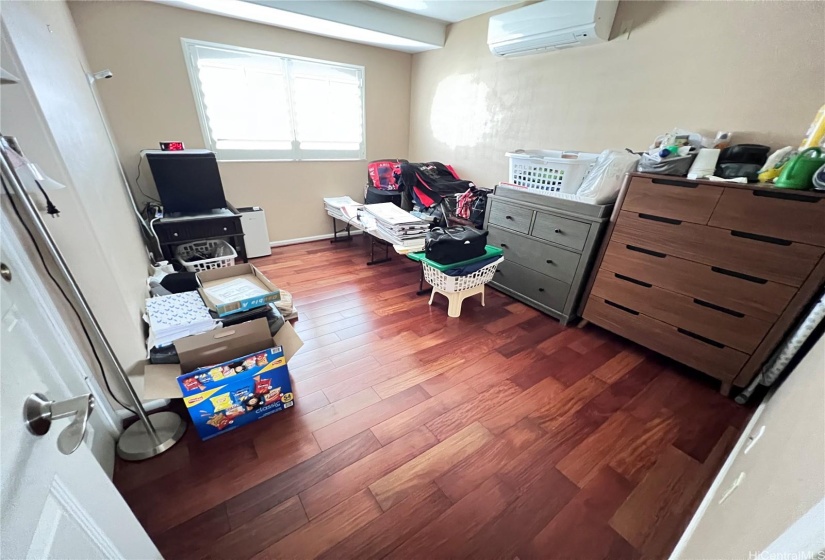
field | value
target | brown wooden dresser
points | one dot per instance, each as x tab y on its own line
710	274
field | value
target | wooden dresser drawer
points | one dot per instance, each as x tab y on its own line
731	328
788	263
689	348
563	231
510	216
764	300
553	261
531	284
792	216
672	198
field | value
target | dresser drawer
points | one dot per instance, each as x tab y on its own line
563	231
672	198
683	346
553	261
510	216
730	327
764	300
197	229
788	263
531	284
782	215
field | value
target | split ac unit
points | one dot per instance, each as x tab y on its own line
551	25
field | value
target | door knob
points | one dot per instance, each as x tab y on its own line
38	413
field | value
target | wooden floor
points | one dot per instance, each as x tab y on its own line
499	434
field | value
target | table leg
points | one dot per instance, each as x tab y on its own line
336	231
240	246
421	291
386	258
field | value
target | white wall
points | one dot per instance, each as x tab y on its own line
54	116
753	68
778	509
150	99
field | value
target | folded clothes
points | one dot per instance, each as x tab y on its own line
472	267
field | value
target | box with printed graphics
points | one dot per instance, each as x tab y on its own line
226	396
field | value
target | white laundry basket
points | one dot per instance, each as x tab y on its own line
457	288
550	171
212	246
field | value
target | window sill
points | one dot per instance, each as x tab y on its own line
288	160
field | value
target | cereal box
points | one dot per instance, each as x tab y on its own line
225	396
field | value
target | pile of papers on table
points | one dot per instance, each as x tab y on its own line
176	316
397	226
342	207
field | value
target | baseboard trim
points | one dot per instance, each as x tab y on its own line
298	240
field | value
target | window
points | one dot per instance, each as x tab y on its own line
256	105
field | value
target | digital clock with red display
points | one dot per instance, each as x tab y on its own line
171	146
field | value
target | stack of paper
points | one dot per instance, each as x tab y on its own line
396	225
341	207
234	290
176	316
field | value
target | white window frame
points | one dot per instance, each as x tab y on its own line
295	154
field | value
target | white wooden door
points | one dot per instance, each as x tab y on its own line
51	505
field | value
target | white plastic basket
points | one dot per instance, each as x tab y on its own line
549	171
452	284
186	250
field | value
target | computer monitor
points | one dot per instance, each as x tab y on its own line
187	181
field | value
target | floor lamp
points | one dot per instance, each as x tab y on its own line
153	433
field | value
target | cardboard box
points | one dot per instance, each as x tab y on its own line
160	381
229	395
219	276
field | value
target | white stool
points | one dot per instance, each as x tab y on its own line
456	298
458	288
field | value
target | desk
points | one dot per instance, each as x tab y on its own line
369	228
173	231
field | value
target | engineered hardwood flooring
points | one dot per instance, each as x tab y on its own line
500	434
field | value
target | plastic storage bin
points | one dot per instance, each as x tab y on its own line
213	246
547	171
457	288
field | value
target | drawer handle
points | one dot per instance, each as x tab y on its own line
541	289
673	183
508	217
748	277
653	218
622	307
718	308
646	251
557	230
224	229
763	238
175	234
701	338
786	196
549	261
504	246
632	280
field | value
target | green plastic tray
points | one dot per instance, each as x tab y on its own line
490	251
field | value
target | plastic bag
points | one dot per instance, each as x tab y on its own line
672	165
603	182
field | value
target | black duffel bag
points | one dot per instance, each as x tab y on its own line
455	244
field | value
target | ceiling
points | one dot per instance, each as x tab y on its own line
450	11
404	25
